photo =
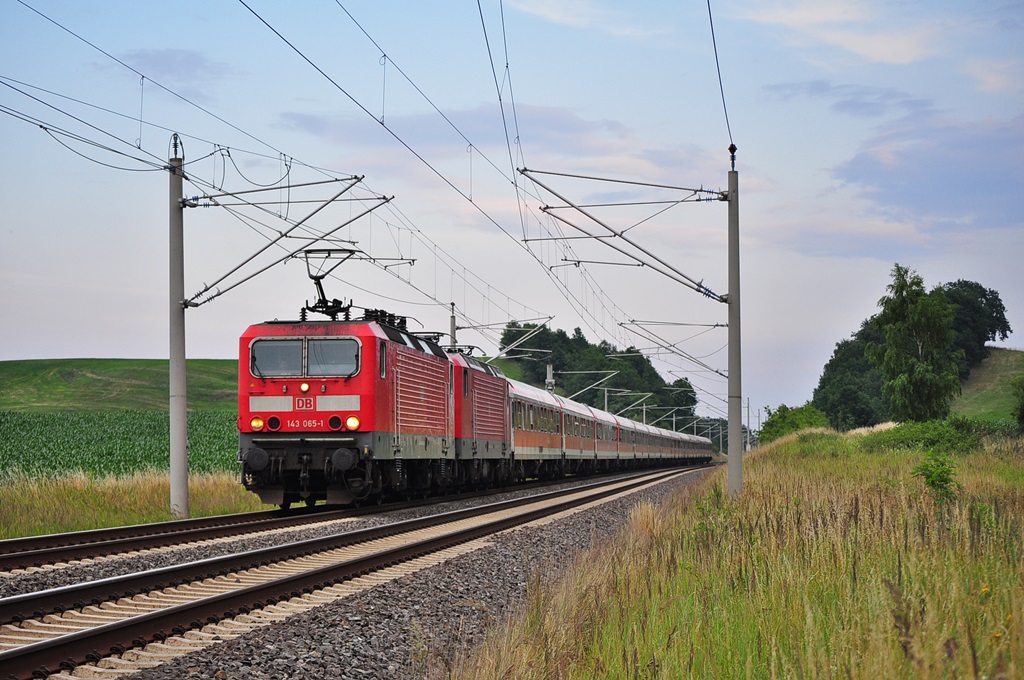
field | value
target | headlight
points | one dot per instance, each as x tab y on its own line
352	422
256	423
304	387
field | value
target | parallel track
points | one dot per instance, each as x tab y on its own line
59	628
38	551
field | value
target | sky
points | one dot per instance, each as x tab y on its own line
869	133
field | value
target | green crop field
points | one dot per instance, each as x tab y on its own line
114	443
108	417
84	443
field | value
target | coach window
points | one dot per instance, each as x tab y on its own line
465	382
531	417
334	356
276	358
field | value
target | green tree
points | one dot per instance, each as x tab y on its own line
1017	385
849	391
918	358
578	363
785	420
980	317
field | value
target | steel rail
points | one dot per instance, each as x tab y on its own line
67	651
36	551
17	608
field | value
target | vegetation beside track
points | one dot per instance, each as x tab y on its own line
77	502
845	556
84	443
115	443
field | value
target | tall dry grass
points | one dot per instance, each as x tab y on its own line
30	506
835	562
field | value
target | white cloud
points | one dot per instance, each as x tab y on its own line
584	14
858	28
994	75
902	46
809	14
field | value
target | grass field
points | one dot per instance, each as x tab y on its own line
84	443
837	561
987	394
93	385
77	502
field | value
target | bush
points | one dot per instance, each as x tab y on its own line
785	420
938	472
946	436
1017	384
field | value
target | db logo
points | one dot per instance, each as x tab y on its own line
303	403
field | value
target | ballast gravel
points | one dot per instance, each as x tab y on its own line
415	625
34	581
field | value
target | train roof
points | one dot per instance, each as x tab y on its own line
574	407
604	416
472	362
379	329
524	391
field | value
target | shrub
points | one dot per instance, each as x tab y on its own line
938	472
785	420
947	436
1017	385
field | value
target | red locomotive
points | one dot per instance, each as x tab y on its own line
350	410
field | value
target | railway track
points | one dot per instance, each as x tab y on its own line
35	552
57	630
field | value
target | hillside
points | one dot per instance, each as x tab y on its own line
986	393
94	385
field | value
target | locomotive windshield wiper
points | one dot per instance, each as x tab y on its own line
253	368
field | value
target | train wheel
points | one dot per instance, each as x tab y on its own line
310	502
285	505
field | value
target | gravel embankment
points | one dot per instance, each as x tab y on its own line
28	582
403	628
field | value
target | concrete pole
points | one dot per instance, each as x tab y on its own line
453	329
178	403
735	464
746	446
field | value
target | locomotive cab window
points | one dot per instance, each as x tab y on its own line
333	357
297	357
276	358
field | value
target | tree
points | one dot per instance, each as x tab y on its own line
1017	385
785	420
918	358
849	391
980	317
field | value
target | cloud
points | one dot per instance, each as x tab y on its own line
952	175
854	27
555	135
809	14
188	72
585	14
854	100
995	75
